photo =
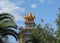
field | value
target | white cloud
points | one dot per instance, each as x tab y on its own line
9	7
47	1
50	2
18	17
20	2
42	1
34	6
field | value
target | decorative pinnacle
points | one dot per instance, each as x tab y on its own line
29	17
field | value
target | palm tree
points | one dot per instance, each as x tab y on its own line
7	22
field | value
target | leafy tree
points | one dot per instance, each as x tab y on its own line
7	22
36	34
58	27
43	35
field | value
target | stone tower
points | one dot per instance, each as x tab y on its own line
25	33
29	21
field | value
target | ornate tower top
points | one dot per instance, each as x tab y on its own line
29	17
29	21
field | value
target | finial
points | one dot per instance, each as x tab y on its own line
29	17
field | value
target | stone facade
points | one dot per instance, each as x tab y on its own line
25	33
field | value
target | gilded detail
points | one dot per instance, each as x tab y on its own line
29	17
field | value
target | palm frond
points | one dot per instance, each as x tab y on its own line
6	14
10	32
7	23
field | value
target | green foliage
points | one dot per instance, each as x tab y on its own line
42	35
58	27
47	34
7	22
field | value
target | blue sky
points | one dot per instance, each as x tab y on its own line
42	9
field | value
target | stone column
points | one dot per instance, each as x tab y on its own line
21	39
